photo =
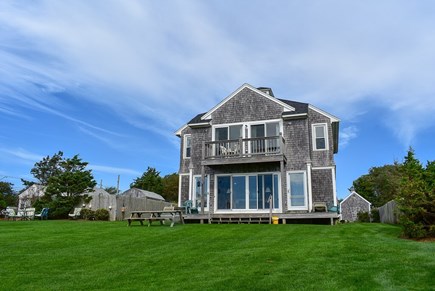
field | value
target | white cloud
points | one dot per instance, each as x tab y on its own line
22	154
347	134
157	64
114	170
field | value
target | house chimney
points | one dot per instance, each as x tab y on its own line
266	90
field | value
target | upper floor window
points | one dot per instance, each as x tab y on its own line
320	137
187	152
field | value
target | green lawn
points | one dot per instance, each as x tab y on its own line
84	255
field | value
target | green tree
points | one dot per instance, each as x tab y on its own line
72	180
46	168
170	187
66	179
417	198
8	196
111	190
150	181
380	185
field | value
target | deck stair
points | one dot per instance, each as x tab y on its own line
231	219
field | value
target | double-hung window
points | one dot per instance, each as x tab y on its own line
320	137
187	152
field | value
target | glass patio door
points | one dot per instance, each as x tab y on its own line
198	192
297	190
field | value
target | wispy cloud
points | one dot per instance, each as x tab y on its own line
21	154
160	63
347	134
114	170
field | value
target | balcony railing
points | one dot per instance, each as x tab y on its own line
244	147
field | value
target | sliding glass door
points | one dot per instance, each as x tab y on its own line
253	192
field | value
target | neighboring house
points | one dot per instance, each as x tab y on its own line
30	195
253	151
352	205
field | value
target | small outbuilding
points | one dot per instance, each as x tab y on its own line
138	199
352	205
30	195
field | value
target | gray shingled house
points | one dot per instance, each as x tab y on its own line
352	205
254	153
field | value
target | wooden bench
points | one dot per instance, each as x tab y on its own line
320	207
151	219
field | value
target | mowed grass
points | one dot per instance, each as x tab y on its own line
84	255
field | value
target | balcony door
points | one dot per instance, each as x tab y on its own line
228	138
260	131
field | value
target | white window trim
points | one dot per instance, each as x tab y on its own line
207	191
247	210
313	133
185	147
305	207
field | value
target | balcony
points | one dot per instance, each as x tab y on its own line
244	150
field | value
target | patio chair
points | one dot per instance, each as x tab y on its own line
10	213
188	207
30	213
76	213
320	207
43	214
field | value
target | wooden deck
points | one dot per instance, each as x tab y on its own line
260	218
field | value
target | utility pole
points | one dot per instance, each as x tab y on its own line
117	186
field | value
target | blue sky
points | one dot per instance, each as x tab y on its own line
113	80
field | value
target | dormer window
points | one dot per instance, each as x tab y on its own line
187	152
320	137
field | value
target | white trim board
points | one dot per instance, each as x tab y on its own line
284	105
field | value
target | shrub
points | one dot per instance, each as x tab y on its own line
413	230
87	214
375	215
102	214
363	217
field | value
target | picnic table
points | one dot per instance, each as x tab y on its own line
155	215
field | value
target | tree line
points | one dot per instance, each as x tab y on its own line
412	185
66	179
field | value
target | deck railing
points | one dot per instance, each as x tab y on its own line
244	147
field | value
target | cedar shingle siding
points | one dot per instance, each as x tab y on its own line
352	205
250	105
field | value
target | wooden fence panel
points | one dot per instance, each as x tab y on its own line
389	213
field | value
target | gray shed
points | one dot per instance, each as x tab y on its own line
138	199
352	205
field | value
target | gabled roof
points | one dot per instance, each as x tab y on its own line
354	193
292	110
139	193
286	106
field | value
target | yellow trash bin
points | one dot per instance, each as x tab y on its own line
275	219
